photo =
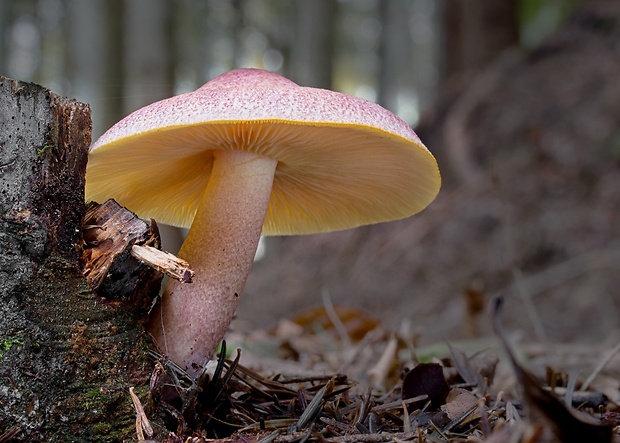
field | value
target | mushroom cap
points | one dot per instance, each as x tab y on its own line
342	161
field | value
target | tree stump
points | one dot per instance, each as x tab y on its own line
67	355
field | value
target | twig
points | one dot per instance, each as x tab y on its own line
269	438
10	434
163	262
399	403
142	422
600	367
570	389
526	298
335	319
379	371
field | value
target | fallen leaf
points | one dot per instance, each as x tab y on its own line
458	403
426	379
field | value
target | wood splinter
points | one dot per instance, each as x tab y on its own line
142	422
120	252
163	262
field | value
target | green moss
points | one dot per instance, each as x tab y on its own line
101	429
45	148
7	343
94	398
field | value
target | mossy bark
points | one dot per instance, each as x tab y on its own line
68	356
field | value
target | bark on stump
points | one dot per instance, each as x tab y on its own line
67	356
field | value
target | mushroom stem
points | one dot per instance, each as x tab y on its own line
193	318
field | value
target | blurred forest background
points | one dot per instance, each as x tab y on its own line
518	99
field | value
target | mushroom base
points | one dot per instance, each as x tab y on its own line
192	318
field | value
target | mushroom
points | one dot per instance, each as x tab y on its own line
251	152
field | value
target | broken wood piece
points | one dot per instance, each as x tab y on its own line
109	232
142	422
113	235
163	262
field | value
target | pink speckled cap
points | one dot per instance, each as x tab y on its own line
342	161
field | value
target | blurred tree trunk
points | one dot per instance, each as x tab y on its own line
94	60
191	29
313	42
4	25
395	52
148	62
474	34
114	85
148	58
475	31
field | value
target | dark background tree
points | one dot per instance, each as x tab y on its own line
475	32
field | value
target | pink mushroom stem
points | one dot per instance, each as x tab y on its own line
220	246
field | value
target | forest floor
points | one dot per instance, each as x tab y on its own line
338	376
530	153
